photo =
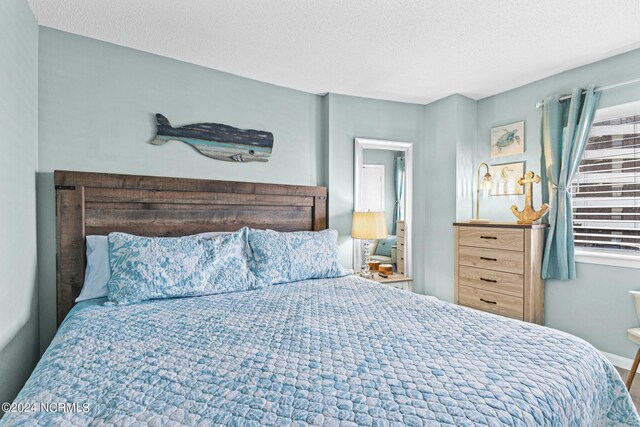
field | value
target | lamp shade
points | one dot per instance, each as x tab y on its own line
487	181
369	226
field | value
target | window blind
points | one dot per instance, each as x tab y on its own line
606	188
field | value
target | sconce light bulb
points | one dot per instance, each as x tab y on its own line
487	182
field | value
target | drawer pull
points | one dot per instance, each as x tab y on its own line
489	259
488	280
487	301
489	237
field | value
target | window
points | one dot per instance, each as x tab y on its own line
606	188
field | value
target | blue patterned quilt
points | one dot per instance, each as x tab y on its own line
322	352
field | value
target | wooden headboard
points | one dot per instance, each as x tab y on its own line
99	203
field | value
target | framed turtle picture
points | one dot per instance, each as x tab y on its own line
507	140
505	179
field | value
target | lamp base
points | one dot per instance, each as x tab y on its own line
364	270
479	221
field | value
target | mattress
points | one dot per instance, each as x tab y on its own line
321	352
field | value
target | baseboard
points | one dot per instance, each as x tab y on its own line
619	361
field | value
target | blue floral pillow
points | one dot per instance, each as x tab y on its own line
144	268
290	257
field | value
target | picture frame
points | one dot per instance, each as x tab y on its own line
505	179
507	140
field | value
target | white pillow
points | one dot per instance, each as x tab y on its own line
98	271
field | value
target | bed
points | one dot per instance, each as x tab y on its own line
339	351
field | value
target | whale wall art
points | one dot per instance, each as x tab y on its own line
218	141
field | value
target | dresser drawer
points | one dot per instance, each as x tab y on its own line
400	245
490	280
400	285
506	305
400	262
400	229
492	238
491	259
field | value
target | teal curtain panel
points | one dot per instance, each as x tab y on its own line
399	187
565	131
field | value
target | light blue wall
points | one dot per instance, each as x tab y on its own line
350	117
442	194
596	306
96	114
387	159
465	156
18	164
97	102
443	134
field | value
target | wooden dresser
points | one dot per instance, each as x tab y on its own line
497	269
400	258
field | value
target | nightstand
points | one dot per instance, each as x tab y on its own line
396	280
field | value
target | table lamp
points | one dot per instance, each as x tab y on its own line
368	226
485	184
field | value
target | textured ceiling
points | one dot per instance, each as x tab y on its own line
403	50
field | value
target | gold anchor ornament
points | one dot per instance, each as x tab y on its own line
528	215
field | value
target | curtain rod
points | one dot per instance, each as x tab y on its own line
600	89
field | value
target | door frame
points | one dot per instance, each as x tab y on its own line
380	144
